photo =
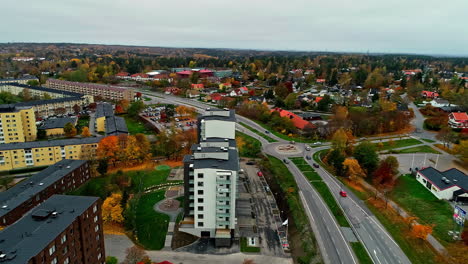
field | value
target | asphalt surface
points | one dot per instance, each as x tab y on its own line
333	245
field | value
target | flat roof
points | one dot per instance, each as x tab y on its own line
23	191
219	114
231	142
230	164
11	108
43	89
49	143
455	177
38	228
58	122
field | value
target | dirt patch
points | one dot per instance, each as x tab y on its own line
355	186
181	239
113	229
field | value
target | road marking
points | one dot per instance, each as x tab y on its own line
375	252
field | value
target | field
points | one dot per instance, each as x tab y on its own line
250	146
136	126
419	149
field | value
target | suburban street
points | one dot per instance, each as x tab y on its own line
333	244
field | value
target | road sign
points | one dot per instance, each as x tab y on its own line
459	215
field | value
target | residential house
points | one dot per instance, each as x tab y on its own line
429	94
298	121
140	77
235	92
172	90
259	99
198	86
225	86
451	184
54	126
438	102
123	75
193	93
458	120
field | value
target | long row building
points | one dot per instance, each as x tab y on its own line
108	92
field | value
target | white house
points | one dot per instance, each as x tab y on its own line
458	120
451	184
438	102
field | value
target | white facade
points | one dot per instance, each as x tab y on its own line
445	194
217	129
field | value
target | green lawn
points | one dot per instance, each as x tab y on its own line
151	226
251	148
269	139
136	126
286	181
428	140
361	253
83	121
104	186
322	189
399	143
245	248
419	149
420	202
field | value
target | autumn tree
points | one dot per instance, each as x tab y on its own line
69	130
112	209
353	170
134	255
85	132
76	109
421	231
446	135
384	176
367	156
5	181
462	150
339	139
183	110
107	149
135	108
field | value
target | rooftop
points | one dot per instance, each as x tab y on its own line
88	85
219	114
11	108
49	143
32	233
116	125
232	163
104	109
23	191
43	89
446	179
58	122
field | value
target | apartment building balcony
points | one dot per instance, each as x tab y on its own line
223	198
223	233
223	181
222	222
223	190
222	214
223	206
187	222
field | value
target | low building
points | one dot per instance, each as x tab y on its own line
63	229
298	121
54	126
451	184
193	93
438	102
107	122
45	153
458	120
429	94
22	80
17	124
62	177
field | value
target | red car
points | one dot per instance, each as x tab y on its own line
259	174
343	193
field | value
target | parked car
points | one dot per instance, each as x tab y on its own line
343	193
267	132
316	165
286	161
318	143
308	148
292	142
308	158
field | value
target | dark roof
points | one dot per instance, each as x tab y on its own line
454	177
49	143
10	108
43	89
104	109
402	107
38	228
231	164
116	125
58	122
308	115
23	191
24	78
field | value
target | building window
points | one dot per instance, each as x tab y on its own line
51	250
200	208
96	228
200	192
200	200
200	216
66	261
200	184
54	261
200	224
200	175
94	208
95	219
63	239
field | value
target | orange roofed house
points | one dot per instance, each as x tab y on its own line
297	120
458	120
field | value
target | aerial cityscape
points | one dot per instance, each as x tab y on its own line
199	142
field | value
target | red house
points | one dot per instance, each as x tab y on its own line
429	94
297	120
198	86
184	74
458	120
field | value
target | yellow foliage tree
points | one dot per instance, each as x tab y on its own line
462	150
339	139
85	132
112	210
353	169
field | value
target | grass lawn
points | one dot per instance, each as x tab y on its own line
420	202
104	186
361	253
269	139
322	189
428	140
287	183
419	149
250	148
151	226
136	126
399	143
282	136
83	121
245	248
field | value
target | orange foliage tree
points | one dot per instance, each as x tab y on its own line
108	149
420	231
112	209
353	169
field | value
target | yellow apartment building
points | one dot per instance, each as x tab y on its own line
44	153
17	124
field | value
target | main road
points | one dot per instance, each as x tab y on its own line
334	246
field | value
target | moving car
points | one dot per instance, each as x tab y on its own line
343	193
316	165
308	148
286	161
259	173
308	158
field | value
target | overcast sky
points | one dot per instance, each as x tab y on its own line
412	26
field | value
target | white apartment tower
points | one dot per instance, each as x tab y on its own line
211	175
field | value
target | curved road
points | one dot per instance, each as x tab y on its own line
333	245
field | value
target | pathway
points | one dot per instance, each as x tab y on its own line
170	207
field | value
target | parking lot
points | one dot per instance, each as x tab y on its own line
156	116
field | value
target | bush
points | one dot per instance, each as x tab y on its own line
111	260
435	123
